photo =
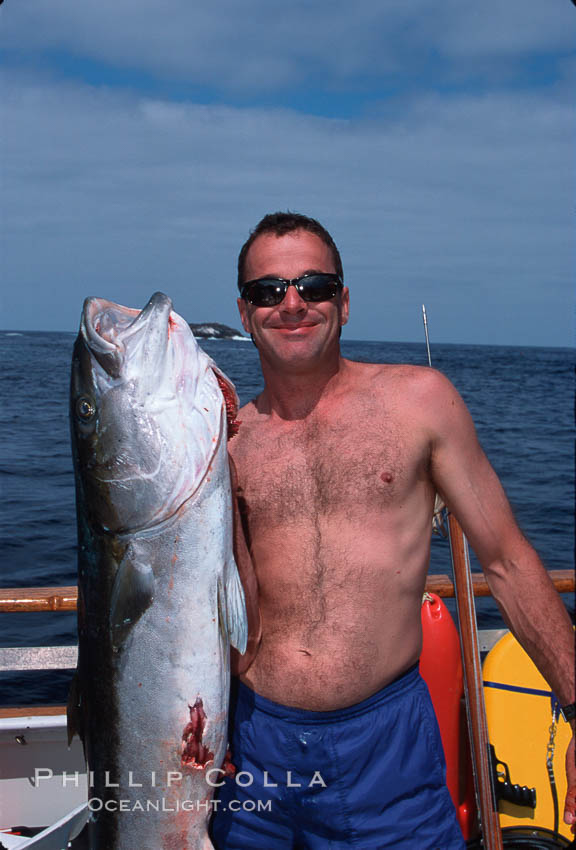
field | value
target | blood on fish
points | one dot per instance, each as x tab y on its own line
195	754
231	407
227	766
387	477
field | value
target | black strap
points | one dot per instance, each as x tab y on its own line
554	790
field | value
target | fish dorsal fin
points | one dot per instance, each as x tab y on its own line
132	595
232	608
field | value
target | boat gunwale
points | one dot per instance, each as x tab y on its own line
64	598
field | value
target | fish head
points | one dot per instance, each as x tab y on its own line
146	413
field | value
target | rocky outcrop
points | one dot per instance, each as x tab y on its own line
214	330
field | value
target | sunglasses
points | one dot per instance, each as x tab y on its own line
270	291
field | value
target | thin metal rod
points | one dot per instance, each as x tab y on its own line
425	319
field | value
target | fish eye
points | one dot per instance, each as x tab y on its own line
85	409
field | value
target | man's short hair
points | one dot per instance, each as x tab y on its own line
281	223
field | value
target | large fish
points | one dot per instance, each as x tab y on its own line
160	599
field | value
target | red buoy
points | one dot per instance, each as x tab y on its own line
441	669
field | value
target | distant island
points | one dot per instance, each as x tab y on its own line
215	330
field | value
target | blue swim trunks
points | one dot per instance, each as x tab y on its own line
371	776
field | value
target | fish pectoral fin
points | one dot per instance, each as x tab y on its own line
73	712
132	595
233	607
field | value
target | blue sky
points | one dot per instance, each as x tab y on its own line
140	142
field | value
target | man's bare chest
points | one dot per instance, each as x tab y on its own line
320	466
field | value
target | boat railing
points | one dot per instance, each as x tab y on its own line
30	599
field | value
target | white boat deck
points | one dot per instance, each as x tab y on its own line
56	837
43	782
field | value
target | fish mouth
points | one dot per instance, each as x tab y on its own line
107	327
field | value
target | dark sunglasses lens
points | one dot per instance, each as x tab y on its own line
266	293
318	287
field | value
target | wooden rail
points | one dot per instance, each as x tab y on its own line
32	711
15	599
442	585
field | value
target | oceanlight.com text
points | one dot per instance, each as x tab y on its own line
95	804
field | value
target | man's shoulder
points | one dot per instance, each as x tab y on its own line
401	378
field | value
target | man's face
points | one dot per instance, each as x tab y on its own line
294	331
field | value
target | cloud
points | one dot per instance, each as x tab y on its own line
255	47
462	201
516	27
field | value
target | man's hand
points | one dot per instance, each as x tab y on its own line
570	805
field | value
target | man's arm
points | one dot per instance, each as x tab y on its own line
519	582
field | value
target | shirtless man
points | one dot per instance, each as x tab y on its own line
338	465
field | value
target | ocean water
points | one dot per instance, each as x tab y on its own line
520	399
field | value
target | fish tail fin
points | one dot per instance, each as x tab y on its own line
234	608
